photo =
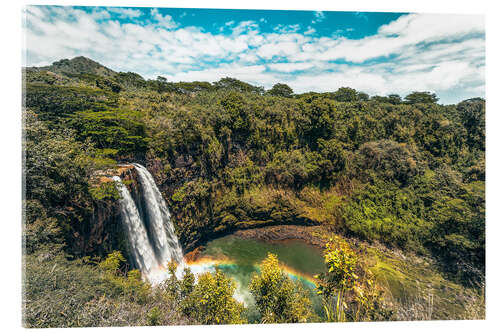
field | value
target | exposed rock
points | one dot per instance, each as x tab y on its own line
308	234
104	179
103	231
194	255
105	176
183	161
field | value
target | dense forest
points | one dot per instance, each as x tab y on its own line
402	173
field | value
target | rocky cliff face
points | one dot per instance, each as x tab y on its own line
103	233
202	210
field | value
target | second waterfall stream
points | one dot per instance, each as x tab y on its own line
151	234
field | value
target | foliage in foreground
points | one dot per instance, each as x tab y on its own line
209	300
347	287
278	298
87	292
212	302
84	293
58	292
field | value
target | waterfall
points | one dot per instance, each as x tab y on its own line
141	250
162	230
151	234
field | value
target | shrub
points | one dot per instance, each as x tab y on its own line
278	298
347	287
212	302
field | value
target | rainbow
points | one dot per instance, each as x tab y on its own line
208	264
296	275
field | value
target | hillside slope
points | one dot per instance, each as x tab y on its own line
77	65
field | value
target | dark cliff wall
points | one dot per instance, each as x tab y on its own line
103	232
199	207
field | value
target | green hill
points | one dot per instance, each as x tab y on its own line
77	65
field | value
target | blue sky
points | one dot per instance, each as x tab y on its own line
378	53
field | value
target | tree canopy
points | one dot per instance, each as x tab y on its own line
280	89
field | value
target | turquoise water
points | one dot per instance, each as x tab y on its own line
240	258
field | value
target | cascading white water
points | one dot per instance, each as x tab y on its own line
140	248
152	237
162	230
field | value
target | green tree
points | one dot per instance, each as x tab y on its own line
385	212
278	298
212	302
280	89
294	169
112	263
131	80
340	278
472	113
391	99
318	120
229	83
421	97
345	94
348	291
154	317
54	103
334	158
118	131
161	85
234	106
459	231
129	283
394	99
392	161
363	96
59	190
105	83
187	283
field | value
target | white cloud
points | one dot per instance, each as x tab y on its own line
415	52
309	31
99	14
408	30
290	66
245	26
124	12
165	21
287	28
319	17
285	49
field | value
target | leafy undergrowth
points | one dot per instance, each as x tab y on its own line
418	291
72	293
